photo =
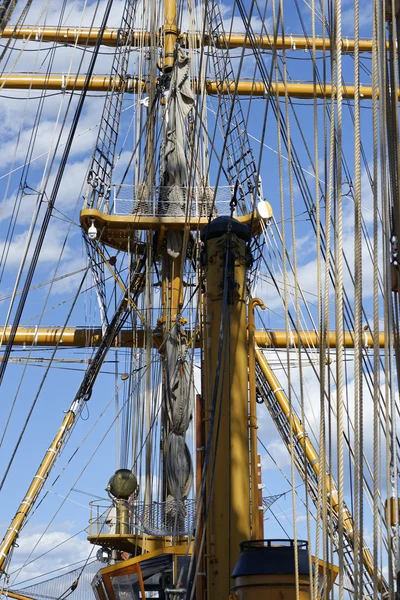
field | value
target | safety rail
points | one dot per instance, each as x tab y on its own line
103	519
169	518
140	200
157	518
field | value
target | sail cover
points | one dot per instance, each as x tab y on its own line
178	388
180	103
179	391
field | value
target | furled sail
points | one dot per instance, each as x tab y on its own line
180	101
179	401
178	388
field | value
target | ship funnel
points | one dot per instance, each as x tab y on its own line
268	567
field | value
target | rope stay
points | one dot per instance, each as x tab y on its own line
97	270
288	423
241	164
81	397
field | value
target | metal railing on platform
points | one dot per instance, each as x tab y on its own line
102	519
171	518
140	200
156	519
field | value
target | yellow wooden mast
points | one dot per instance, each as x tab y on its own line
171	275
228	490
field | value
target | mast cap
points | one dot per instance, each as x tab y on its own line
219	227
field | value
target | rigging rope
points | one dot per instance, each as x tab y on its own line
53	196
376	374
358	350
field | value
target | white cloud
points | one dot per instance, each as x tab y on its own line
51	249
306	248
365	20
279	453
47	135
235	23
69	285
58	546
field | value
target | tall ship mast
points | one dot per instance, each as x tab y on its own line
199	286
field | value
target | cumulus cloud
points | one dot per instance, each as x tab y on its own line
51	250
307	260
279	453
52	550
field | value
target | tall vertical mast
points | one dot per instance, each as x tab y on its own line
170	34
226	401
178	372
172	262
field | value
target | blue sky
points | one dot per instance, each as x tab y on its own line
16	125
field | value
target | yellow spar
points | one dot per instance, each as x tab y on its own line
113	37
101	83
37	484
76	337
